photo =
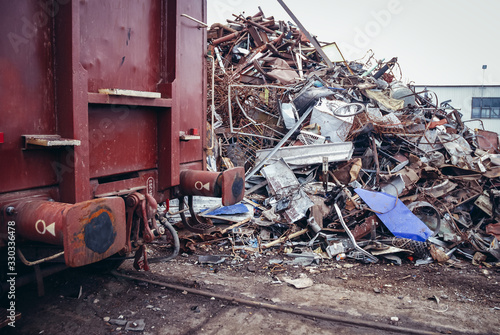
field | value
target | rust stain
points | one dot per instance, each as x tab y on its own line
78	238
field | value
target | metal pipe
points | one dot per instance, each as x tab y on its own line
213	102
349	321
255	24
195	20
223	26
375	158
226	38
351	236
28	263
311	38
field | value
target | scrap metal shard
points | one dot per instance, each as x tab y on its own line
284	184
395	215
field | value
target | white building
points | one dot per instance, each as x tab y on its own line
479	105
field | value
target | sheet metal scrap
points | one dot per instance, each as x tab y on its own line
286	188
277	95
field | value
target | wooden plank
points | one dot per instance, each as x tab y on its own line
130	93
284	238
98	98
50	141
223	231
250	202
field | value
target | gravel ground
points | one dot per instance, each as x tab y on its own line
455	297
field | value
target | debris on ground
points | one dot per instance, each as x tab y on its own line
342	159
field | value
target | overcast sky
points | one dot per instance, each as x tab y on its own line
437	42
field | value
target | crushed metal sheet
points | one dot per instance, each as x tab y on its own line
284	184
440	189
308	155
458	148
300	283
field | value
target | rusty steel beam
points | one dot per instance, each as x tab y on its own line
226	38
311	38
71	105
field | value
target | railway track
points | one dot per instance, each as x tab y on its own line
175	298
370	326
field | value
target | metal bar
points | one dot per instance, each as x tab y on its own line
309	36
71	108
212	105
353	240
284	238
311	154
260	86
195	20
254	135
341	55
267	30
256	187
280	144
28	263
375	157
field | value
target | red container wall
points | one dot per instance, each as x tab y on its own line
26	94
120	44
54	60
122	139
190	85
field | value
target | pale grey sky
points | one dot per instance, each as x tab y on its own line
437	42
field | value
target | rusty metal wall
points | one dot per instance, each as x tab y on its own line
54	58
190	85
122	146
120	44
26	94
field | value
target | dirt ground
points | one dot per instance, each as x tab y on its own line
457	298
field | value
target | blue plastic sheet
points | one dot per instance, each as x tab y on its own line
395	215
230	210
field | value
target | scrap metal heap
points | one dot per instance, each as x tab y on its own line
342	159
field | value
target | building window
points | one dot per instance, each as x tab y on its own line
486	108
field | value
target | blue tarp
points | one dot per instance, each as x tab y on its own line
395	215
230	210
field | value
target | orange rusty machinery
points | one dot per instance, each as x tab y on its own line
103	118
